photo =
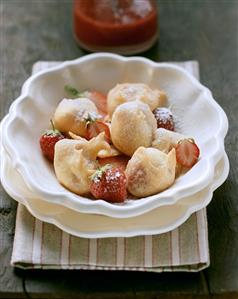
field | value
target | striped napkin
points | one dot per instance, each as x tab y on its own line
48	247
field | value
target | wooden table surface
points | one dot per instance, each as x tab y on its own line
204	30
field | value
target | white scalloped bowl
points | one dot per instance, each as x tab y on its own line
157	221
198	115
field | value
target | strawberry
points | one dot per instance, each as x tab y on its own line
187	152
109	183
164	118
117	161
99	99
48	141
95	127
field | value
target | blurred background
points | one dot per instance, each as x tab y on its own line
201	30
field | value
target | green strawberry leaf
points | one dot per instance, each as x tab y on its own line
73	92
99	172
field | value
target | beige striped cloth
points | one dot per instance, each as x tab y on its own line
42	245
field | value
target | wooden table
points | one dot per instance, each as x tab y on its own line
205	30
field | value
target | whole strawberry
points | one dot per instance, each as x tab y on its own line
48	141
164	118
109	183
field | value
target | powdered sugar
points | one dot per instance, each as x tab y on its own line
127	12
164	118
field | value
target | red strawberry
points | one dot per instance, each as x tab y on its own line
100	100
95	127
48	141
187	152
117	161
109	183
164	118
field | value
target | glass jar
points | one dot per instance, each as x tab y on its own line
120	26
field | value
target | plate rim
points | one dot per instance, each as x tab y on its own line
156	231
102	207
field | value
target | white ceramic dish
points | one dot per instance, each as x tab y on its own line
160	220
192	103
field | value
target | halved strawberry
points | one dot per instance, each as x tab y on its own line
117	161
95	127
109	183
100	100
187	152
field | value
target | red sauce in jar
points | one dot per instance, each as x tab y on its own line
115	25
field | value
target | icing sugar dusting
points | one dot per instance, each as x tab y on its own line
164	118
164	114
141	8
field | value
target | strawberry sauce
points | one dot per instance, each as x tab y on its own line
114	23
